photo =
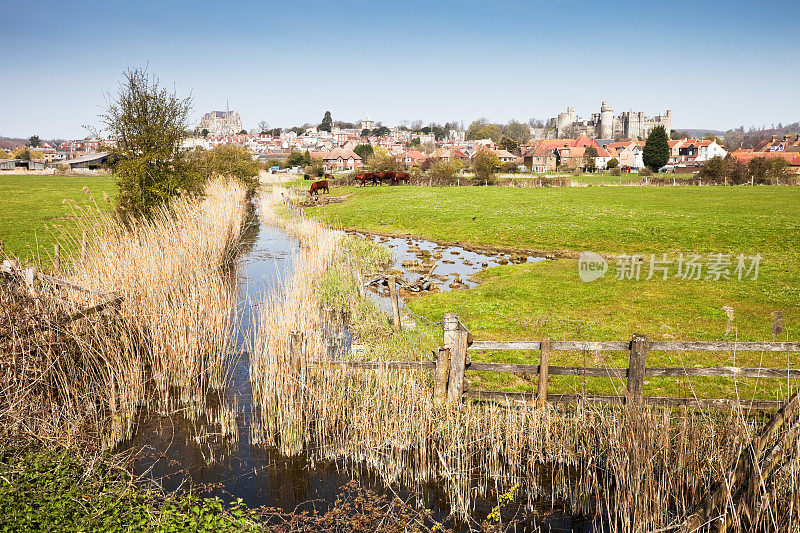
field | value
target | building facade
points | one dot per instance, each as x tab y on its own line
221	123
604	125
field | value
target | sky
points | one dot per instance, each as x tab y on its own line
716	65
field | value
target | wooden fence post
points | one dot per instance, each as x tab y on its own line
360	282
57	257
296	350
636	368
30	280
544	369
455	338
442	375
84	245
395	302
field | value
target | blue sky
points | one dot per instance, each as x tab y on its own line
715	64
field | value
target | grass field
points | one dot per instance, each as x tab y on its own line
37	208
548	298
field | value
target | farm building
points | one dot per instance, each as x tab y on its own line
7	164
91	161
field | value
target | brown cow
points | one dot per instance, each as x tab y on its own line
306	177
328	176
319	186
385	176
401	176
365	177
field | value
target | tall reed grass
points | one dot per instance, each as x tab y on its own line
168	343
627	470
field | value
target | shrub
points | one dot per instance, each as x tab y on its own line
646	172
62	168
616	171
485	166
612	163
231	161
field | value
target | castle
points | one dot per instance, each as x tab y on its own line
221	123
604	125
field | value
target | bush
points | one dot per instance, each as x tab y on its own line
646	172
231	161
576	172
612	163
616	171
485	166
62	168
443	171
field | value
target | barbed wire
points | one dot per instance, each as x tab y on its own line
439	324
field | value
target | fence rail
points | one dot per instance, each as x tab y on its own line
452	362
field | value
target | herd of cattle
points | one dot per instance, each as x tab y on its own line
376	178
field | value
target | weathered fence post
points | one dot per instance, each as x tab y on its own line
30	280
395	302
84	245
296	350
360	282
455	338
442	375
636	368
57	257
544	369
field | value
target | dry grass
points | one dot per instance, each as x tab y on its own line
166	346
627	469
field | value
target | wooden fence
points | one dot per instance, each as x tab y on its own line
41	286
453	361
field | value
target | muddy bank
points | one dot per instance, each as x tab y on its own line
423	266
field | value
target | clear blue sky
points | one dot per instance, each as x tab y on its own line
715	66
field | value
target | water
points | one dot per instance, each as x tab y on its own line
453	266
180	454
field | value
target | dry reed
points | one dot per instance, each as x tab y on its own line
628	470
167	342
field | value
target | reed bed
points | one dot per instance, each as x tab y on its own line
626	470
166	346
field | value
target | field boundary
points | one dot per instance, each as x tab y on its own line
452	362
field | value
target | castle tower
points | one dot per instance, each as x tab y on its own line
606	121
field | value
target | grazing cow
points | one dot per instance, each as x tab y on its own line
319	186
306	177
328	176
365	177
385	176
401	176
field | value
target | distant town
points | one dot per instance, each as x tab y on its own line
565	142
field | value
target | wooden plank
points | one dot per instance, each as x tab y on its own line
385	365
712	346
561	346
724	371
660	346
553	370
458	358
636	367
69	284
656	401
442	376
544	368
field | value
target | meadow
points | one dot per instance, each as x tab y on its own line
36	208
549	299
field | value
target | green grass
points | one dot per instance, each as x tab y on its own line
35	211
549	299
42	490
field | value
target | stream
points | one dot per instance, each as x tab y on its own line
182	455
